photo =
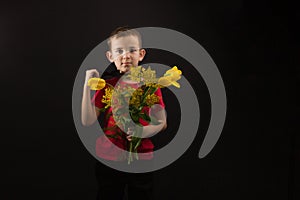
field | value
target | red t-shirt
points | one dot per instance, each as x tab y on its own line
109	148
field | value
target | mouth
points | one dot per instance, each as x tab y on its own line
126	64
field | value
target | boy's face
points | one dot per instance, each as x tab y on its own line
125	52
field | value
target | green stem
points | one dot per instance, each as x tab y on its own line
130	153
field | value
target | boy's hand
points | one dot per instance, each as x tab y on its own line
129	134
90	74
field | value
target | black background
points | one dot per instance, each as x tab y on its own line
253	43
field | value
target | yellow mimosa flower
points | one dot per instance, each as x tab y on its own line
96	83
107	97
149	76
135	73
151	99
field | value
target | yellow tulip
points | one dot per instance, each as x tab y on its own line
174	70
96	83
170	78
167	81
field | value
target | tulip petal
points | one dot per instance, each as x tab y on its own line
96	83
176	84
164	81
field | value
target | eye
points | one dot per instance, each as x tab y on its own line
119	51
133	50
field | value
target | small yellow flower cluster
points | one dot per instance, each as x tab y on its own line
140	74
136	97
152	85
107	97
149	76
135	73
151	99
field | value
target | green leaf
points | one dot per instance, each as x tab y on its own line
145	93
135	118
102	109
112	136
152	90
108	115
145	117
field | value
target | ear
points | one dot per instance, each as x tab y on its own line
109	56
142	54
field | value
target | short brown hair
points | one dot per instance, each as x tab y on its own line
123	31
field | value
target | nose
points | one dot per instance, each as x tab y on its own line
126	54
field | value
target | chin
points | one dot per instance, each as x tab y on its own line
125	69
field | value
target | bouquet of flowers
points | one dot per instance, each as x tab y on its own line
128	103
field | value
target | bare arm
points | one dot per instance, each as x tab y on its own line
151	129
89	113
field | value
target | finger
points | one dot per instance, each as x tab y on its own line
93	73
96	73
130	130
129	138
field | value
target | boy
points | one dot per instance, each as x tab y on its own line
125	52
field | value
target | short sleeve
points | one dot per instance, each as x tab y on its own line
159	94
